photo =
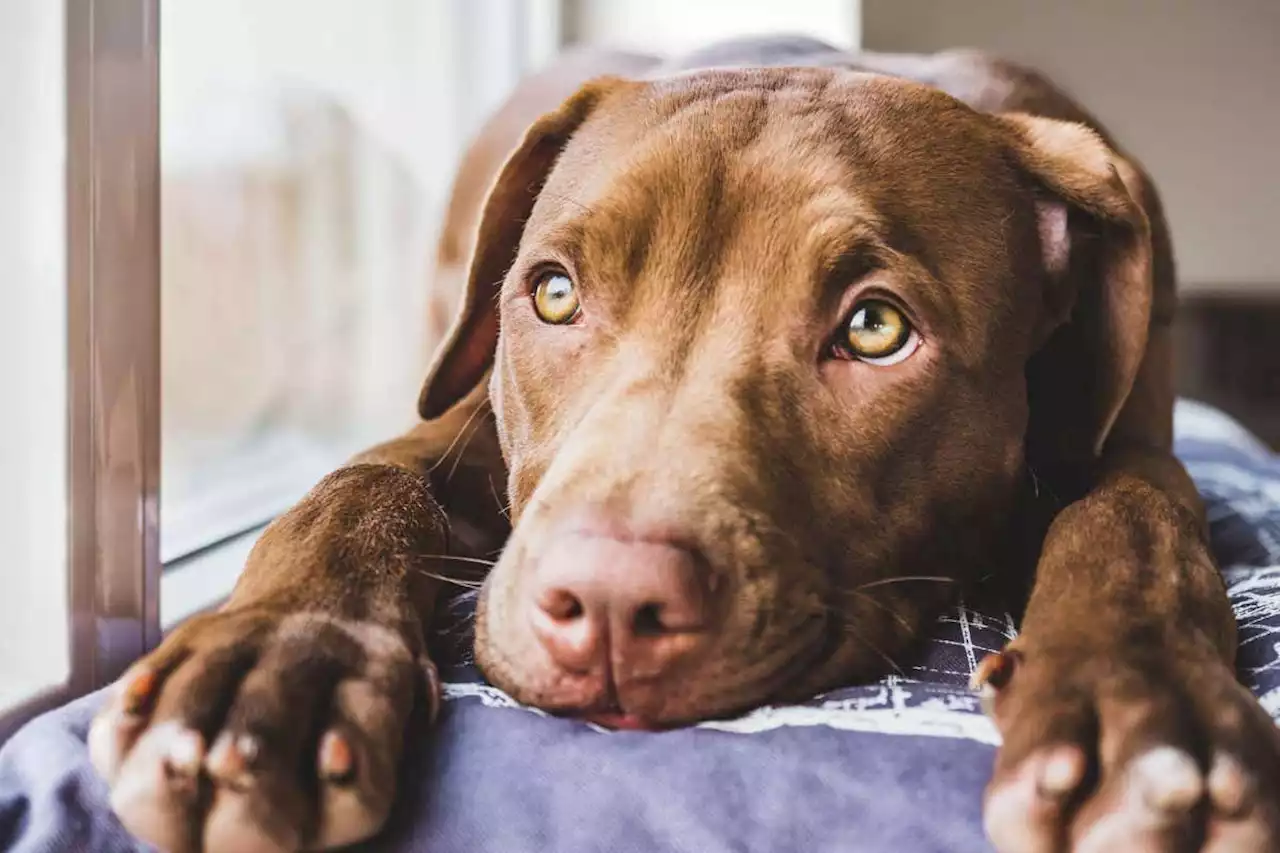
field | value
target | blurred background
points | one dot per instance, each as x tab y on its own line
306	151
307	148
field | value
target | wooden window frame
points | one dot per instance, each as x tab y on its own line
113	339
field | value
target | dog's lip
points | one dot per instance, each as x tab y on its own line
619	721
611	714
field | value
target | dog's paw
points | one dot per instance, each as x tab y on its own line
1120	753
248	731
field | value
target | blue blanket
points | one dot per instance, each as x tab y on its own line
898	765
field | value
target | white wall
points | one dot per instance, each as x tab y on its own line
674	25
1191	87
33	536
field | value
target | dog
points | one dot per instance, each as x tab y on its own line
776	350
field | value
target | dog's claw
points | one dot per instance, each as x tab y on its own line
991	675
335	759
232	758
138	690
993	671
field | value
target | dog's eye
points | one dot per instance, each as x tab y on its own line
555	299
878	333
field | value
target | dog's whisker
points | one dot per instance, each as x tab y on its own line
906	626
904	579
457	460
467	423
460	559
457	438
455	581
860	637
502	508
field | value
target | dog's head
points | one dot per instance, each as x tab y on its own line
759	344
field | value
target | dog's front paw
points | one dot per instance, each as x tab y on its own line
252	731
1126	752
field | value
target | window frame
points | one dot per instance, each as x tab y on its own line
197	576
111	54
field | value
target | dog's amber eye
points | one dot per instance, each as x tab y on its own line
555	299
878	333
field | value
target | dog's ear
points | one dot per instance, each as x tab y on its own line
1097	253
467	353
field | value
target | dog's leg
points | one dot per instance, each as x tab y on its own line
1124	725
277	723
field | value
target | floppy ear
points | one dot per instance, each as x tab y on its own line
1096	243
467	353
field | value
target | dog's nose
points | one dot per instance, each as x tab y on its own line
637	605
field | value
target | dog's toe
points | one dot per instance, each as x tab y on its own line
237	821
1239	819
1149	806
1153	764
1230	787
153	795
245	733
1167	779
1026	811
355	759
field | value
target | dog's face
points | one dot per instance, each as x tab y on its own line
760	385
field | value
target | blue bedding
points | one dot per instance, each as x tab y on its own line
898	765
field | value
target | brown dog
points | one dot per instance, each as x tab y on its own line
757	342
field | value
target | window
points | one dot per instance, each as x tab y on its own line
295	156
307	149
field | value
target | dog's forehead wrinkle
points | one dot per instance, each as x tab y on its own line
786	172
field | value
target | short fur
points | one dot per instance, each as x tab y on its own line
719	222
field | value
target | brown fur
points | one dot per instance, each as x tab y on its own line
719	224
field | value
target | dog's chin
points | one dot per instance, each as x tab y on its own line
620	721
713	689
655	707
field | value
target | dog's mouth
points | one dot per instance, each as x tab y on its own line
619	720
610	711
614	713
615	717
